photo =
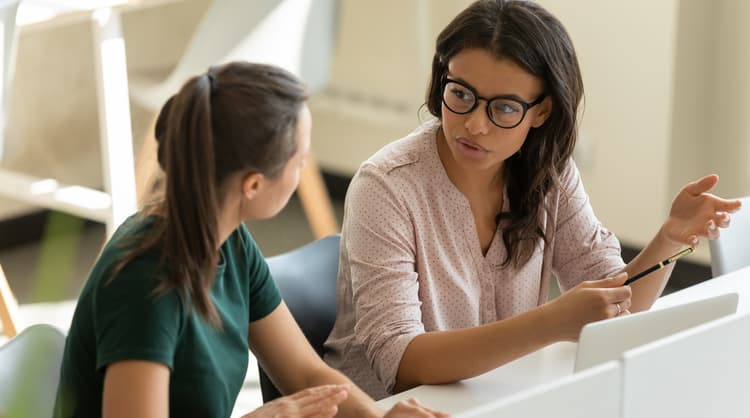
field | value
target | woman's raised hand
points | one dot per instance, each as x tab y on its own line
696	213
314	402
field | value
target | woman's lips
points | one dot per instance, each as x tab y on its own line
470	148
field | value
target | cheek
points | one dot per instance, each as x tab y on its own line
291	181
451	124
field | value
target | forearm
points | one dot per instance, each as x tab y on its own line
357	404
449	356
648	289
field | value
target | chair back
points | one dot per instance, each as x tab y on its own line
30	372
731	251
306	278
8	12
296	35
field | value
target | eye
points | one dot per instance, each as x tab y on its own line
505	106
461	93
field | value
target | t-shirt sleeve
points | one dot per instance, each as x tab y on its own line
584	249
133	323
264	296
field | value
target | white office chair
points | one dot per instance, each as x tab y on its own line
731	251
117	201
30	372
296	35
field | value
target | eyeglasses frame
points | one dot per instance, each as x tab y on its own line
526	106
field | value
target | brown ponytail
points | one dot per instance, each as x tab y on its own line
236	118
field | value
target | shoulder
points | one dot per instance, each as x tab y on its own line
112	278
569	183
404	152
242	252
242	240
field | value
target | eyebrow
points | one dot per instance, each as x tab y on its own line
504	96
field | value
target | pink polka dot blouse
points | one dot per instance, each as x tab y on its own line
411	261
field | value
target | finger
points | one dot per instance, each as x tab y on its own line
722	219
324	413
436	414
702	185
617	294
725	205
317	392
614	281
412	411
322	407
322	390
711	230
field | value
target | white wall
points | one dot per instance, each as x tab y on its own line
667	93
379	75
667	96
626	52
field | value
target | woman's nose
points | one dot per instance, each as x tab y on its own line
477	122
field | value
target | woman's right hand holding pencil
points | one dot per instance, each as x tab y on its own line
587	302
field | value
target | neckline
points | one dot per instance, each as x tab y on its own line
463	206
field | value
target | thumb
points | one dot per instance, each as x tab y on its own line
614	281
702	185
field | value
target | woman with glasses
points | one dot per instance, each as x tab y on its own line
452	234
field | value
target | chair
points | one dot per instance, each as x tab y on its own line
30	372
294	34
306	278
117	201
730	251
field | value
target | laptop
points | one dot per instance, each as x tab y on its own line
607	340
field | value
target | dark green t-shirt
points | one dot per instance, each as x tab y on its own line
121	319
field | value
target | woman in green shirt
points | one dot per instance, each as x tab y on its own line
181	291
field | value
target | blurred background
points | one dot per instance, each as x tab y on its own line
667	101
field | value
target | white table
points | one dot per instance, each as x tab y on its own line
736	281
545	365
554	361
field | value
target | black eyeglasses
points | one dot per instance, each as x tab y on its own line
504	111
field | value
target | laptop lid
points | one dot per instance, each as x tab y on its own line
607	340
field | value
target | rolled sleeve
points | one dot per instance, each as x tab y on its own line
380	247
584	249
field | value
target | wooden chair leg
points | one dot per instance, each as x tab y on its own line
8	307
316	201
147	170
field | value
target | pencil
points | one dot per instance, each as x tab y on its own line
655	267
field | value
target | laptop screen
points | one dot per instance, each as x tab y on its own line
607	340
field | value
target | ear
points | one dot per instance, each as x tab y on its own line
543	111
252	184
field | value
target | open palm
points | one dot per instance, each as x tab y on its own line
696	213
